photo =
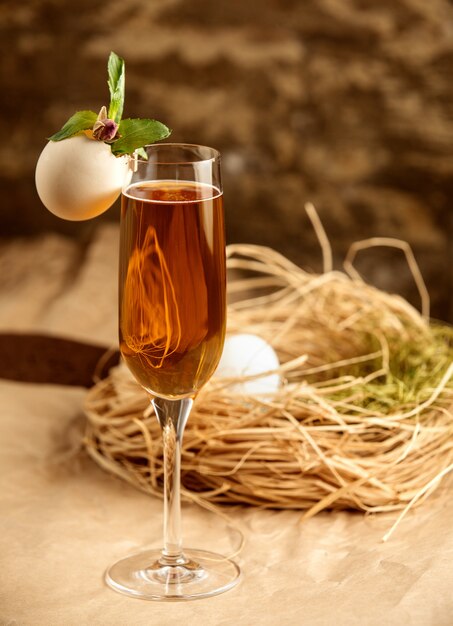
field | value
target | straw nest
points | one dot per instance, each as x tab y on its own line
363	419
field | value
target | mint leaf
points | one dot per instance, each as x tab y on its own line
136	133
116	81
141	152
82	120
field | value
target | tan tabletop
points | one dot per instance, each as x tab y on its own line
63	520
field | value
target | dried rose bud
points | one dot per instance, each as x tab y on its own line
105	130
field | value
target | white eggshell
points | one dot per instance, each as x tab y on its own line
79	178
246	355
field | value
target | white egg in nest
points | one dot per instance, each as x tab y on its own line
248	355
79	178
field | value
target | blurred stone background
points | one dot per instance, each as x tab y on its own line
347	103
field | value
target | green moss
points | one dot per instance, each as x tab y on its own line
416	368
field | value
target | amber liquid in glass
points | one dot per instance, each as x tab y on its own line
172	284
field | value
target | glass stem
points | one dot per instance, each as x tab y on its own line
172	416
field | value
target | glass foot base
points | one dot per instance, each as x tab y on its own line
150	576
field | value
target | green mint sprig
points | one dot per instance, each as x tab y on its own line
82	120
136	133
131	135
116	81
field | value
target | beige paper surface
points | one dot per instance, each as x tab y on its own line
63	520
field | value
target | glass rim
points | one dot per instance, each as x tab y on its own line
155	146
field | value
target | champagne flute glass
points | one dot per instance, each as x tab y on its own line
172	309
